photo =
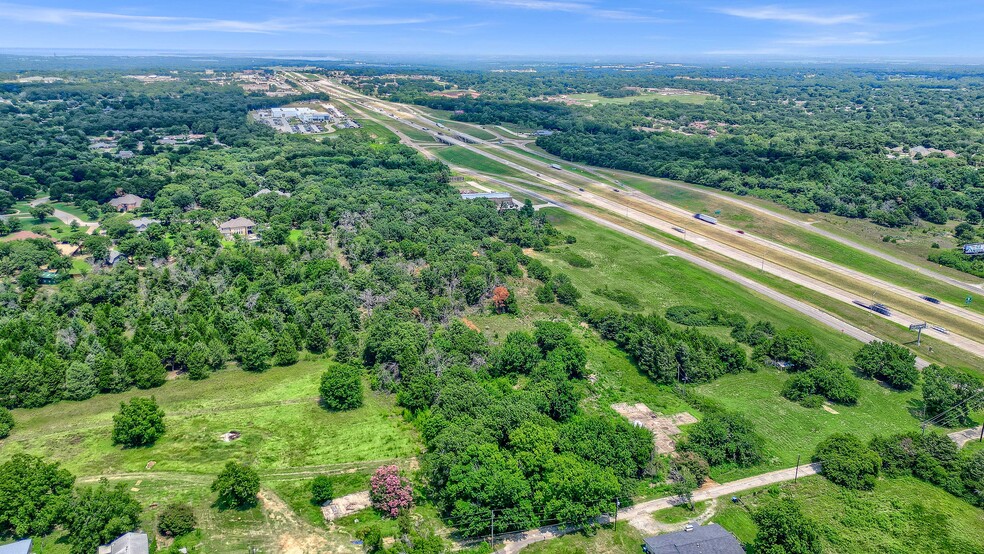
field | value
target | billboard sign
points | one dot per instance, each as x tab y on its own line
975	249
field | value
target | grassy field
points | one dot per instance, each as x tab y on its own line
458	155
898	516
277	412
286	436
679	514
790	430
932	349
659	281
625	540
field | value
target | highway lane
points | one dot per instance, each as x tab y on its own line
829	289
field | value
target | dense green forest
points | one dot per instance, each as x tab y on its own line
817	139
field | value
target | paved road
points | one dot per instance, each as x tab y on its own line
640	515
808	226
966	435
66	217
802	307
729	249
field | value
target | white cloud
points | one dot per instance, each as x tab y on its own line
855	39
154	23
583	8
779	13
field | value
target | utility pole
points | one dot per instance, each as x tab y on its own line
618	504
982	434
796	475
493	530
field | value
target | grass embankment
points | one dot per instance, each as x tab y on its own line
812	243
458	155
899	515
625	540
659	281
286	436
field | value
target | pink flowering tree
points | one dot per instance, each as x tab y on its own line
391	493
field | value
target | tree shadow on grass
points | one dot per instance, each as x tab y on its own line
226	504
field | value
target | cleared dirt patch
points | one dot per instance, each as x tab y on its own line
662	426
345	505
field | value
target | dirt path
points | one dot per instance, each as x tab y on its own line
640	516
966	435
293	535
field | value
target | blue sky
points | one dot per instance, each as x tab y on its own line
900	29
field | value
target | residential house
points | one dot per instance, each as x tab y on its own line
141	223
238	226
126	203
18	547
125	154
115	256
50	278
703	539
130	543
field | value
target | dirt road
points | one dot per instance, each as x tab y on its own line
640	515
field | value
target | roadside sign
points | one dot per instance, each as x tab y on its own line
918	328
969	300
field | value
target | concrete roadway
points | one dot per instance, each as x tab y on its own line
901	318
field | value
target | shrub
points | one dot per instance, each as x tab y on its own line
138	423
891	363
783	529
237	485
576	260
322	490
6	422
623	298
848	462
341	387
695	464
725	438
702	316
176	520
390	492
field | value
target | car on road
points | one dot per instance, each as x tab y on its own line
740	232
930	299
939	329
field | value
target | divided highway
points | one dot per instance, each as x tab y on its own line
834	281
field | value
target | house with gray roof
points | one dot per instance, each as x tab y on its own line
19	547
130	543
141	223
703	539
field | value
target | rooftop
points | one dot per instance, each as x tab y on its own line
19	547
489	195
237	223
704	539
